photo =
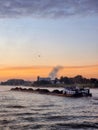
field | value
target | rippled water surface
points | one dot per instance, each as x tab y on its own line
29	111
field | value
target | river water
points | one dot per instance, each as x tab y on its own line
29	111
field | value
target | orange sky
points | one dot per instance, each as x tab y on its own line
39	38
30	73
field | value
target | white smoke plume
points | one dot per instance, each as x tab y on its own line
54	72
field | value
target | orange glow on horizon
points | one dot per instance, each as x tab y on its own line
31	73
85	71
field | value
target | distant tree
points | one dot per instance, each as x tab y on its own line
65	80
93	80
15	82
56	80
79	79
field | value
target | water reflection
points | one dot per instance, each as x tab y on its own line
22	111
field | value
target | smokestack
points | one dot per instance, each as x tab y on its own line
54	72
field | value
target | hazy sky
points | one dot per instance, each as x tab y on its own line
48	33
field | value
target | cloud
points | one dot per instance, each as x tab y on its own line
47	8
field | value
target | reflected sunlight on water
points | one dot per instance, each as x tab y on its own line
26	111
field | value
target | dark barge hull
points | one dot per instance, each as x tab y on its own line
53	93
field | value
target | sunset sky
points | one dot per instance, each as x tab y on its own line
37	35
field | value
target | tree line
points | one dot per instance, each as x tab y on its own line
64	80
